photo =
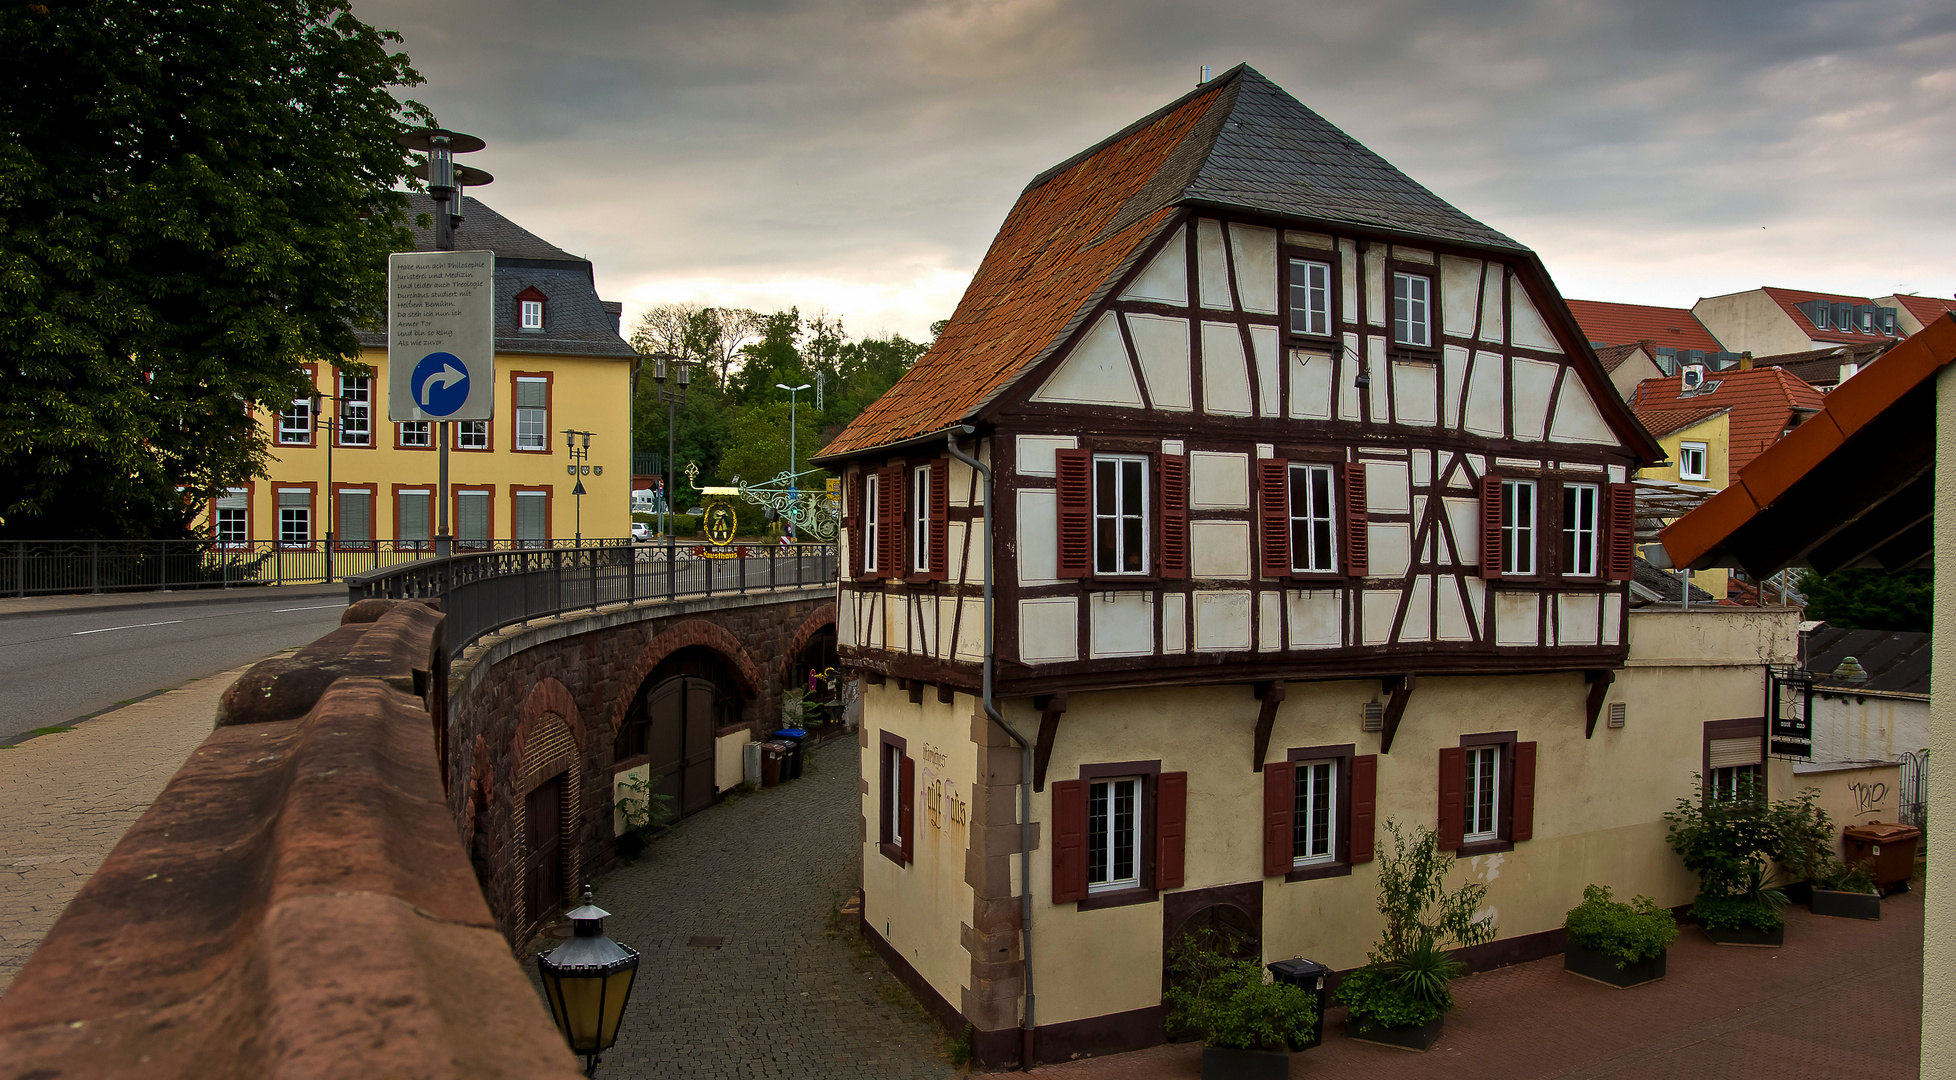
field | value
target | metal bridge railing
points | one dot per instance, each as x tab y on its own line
485	592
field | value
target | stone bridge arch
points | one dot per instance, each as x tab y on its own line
746	674
821	618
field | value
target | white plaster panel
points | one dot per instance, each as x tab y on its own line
1392	550
1049	630
1162	346
947	619
1375	354
1415	393
1417	255
1219	480
971	633
1527	326
1317	618
896	624
1381	607
871	625
1096	372
845	617
1122	624
1309	240
1454	625
1212	270
1460	293
1575	618
1577	419
1270	621
956	555
923	627
1485	395
1422	468
1612	617
1419	611
1477	600
1263	342
1616	474
1219	549
1386	490
1477	462
1348	262
1493	324
1225	377
1347	387
1222	621
1174	623
1171	446
1265	450
1038	536
1516	614
1453	376
1255	249
1035	452
1375	286
1310	385
1464	521
958	483
1534	381
1167	277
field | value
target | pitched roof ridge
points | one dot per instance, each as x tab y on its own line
1213	85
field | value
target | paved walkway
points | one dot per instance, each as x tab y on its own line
67	797
791	991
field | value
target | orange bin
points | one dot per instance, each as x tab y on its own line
1888	848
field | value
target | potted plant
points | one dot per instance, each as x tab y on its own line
1750	916
1402	996
1845	891
1727	839
1617	943
1807	843
644	808
1247	1025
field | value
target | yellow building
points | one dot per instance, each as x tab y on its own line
560	364
1697	444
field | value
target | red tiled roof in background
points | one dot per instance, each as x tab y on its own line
1663	421
1613	356
1789	299
1762	401
1040	273
1621	324
1821	368
1926	309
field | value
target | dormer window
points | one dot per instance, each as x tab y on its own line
529	309
532	314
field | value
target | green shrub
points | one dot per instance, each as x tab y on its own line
1227	1002
1627	933
1734	913
1845	877
1806	836
1372	994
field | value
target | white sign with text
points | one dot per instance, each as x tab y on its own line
441	335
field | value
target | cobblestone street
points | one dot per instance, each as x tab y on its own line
790	991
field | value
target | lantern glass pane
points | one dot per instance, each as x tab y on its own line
583	998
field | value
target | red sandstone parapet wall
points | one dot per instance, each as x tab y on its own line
296	903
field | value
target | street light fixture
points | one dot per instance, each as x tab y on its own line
332	430
578	455
794	478
588	981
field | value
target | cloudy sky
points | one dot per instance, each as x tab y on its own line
855	156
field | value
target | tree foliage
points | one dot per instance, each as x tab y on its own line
1870	599
195	199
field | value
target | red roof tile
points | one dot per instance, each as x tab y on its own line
1662	421
1621	324
1762	401
1613	356
1926	309
1790	299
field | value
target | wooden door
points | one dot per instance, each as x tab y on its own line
543	842
665	738
702	717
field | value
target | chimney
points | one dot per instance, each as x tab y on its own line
1203	81
1745	361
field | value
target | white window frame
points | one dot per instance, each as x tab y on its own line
1120	514
1518	530
295	423
233	523
1579	548
417	433
1687	452
291	515
920	520
1482	785
516	504
532	421
1307	558
427	496
871	525
1104	840
1310	777
1310	296
1725	781
355	427
340	498
532	314
1411	313
465	428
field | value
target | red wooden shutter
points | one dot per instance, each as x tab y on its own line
854	524
940	516
1171	827
1069	841
1453	796
1273	515
1622	546
1523	803
883	832
1174	517
1490	528
1365	807
889	526
1279	803
907	808
1358	532
1074	469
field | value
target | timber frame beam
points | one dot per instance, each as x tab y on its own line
1400	689
1272	695
1599	688
1051	707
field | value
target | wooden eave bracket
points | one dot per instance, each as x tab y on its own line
1051	708
1400	690
1599	688
1272	695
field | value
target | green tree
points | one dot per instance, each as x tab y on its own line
1870	599
195	198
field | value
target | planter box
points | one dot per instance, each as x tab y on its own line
1226	1063
1846	905
1419	1038
1770	939
1799	892
1602	968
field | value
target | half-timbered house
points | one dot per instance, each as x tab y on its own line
1308	508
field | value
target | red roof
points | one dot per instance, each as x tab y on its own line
1790	299
1621	324
1613	356
1662	421
1926	309
1762	400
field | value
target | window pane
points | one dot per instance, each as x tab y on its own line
1131	545
411	521
472	518
1097	834
530	515
1124	826
530	393
1104	487
355	525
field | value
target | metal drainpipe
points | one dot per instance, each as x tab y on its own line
1025	755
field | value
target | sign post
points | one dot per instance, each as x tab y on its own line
441	348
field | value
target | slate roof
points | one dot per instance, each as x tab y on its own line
1237	141
1622	324
1897	661
1653	585
576	322
1765	402
1822	367
1664	421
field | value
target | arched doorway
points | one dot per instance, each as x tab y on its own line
1231	915
670	728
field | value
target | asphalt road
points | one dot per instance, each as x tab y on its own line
58	666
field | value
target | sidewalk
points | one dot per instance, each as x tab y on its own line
78	603
67	797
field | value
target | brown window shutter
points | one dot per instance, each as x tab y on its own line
1453	797
1279	803
883	782
1174	516
940	516
1490	528
889	534
1069	841
1365	808
1358	531
907	808
1273	515
1621	548
1074	469
1171	827
1522	805
854	524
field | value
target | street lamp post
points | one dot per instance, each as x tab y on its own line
579	455
332	430
673	399
794	478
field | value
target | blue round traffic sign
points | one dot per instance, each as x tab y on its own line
441	383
